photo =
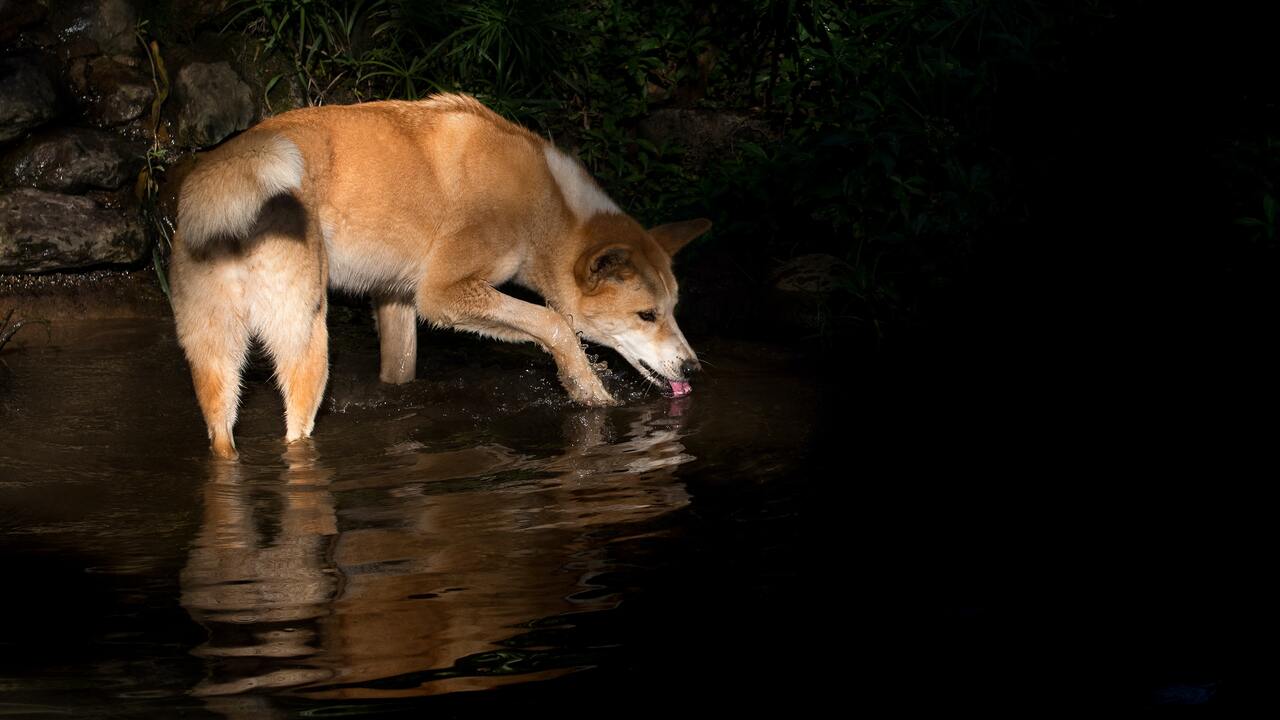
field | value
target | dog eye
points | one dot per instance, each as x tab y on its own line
647	315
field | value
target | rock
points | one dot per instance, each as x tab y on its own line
814	274
701	133
185	17
96	27
26	97
812	295
213	103
42	231
111	91
16	15
73	160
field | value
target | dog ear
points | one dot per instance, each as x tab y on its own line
607	262
676	235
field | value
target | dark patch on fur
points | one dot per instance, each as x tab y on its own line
611	261
283	216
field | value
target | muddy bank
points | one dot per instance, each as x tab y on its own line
66	300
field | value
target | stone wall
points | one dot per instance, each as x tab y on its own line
79	122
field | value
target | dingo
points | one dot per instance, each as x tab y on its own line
426	206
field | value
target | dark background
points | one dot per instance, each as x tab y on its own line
1049	322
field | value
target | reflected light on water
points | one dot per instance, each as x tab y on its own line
425	576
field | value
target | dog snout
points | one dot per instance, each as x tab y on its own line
689	367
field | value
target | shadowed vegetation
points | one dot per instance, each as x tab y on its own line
891	135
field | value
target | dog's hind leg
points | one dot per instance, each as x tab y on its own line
288	314
213	334
288	277
209	313
398	335
302	369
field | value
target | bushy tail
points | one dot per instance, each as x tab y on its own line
223	195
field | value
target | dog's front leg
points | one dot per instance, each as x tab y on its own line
398	337
476	306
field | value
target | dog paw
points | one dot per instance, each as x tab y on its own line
224	451
603	399
589	392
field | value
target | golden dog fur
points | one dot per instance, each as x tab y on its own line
426	206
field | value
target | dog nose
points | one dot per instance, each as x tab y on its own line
689	367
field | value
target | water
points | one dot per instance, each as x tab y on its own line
470	531
937	532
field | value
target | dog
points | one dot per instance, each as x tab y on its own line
427	207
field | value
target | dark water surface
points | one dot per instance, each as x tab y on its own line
465	532
795	533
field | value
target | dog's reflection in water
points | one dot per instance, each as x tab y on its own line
262	591
440	561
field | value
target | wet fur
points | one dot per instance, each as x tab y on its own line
426	206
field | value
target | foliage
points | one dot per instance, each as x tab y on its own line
1252	169
880	122
147	186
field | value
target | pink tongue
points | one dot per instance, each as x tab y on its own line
680	389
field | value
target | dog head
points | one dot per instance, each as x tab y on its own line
628	296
